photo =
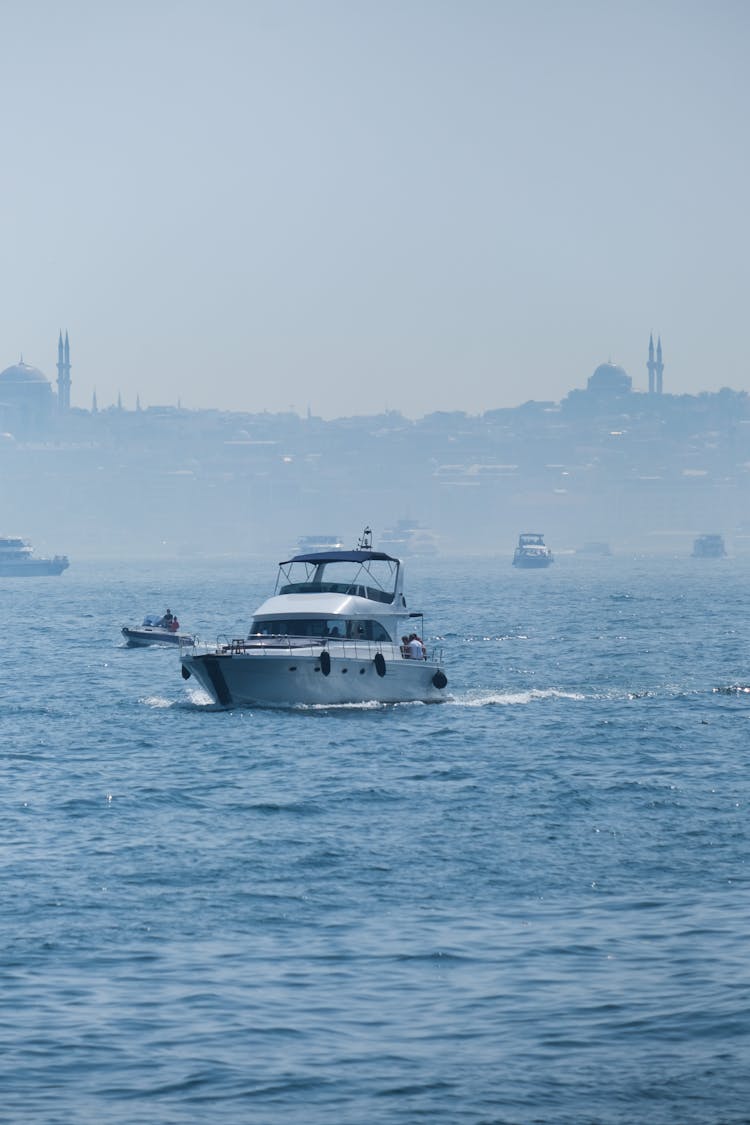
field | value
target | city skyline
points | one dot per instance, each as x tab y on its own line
350	209
61	386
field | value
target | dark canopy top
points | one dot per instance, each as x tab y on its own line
341	556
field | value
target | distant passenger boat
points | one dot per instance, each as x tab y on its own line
531	551
17	560
709	547
408	537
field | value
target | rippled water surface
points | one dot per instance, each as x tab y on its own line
526	905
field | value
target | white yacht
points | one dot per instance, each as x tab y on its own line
332	633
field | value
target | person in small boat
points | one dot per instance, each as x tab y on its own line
167	619
175	624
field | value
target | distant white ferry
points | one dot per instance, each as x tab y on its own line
17	560
408	537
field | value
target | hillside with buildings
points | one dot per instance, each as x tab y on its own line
641	470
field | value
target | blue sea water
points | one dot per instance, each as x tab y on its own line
526	905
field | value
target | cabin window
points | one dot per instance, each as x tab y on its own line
353	629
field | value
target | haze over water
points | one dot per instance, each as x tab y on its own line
525	905
357	207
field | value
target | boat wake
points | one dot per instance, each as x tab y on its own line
196	698
521	698
201	700
365	705
512	698
157	702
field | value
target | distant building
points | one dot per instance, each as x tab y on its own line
26	399
63	375
610	380
655	367
604	392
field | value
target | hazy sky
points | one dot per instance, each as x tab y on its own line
417	205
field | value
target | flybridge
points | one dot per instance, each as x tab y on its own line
364	574
340	556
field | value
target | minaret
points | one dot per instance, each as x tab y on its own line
94	404
651	366
63	374
60	374
659	369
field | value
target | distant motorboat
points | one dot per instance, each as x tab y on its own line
531	551
156	630
709	547
17	560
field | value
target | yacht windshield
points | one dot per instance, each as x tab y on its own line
373	578
358	629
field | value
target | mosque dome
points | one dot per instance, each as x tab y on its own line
26	400
22	374
608	379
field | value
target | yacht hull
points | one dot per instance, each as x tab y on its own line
33	568
287	678
533	563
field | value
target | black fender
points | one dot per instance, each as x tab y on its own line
325	662
379	663
440	680
185	673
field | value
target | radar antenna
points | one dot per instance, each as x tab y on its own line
365	540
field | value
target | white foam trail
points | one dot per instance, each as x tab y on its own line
508	698
157	701
368	705
199	697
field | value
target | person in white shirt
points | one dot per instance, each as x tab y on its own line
417	650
